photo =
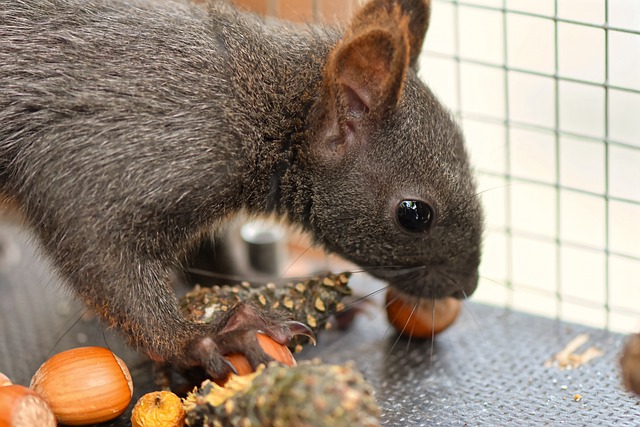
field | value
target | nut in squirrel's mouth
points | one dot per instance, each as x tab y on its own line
424	282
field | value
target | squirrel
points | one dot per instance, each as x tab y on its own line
131	129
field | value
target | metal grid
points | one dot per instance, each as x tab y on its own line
603	102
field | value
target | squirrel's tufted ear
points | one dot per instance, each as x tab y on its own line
418	12
366	70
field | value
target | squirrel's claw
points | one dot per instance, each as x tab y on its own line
299	328
231	367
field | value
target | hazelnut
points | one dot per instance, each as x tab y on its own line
22	407
420	318
85	385
158	409
4	380
630	363
277	351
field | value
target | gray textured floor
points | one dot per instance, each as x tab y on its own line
487	369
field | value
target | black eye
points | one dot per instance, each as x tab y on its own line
414	215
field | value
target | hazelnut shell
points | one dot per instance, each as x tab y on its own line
4	380
277	351
22	407
420	318
84	385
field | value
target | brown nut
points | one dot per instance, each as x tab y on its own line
274	349
158	409
630	364
84	385
420	318
4	380
22	407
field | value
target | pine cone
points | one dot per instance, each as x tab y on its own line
310	394
312	301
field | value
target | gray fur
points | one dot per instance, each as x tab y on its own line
130	129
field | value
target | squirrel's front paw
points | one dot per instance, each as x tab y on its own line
235	332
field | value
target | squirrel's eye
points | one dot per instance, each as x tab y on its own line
414	215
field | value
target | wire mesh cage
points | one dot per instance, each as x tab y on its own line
549	96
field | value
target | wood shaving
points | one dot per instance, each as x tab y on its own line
567	358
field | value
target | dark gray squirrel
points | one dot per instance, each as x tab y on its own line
130	129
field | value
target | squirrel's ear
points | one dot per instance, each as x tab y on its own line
418	12
367	68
